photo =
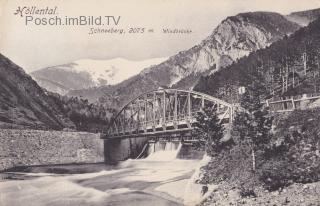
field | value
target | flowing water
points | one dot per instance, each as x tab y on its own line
160	179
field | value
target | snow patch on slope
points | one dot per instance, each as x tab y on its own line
113	71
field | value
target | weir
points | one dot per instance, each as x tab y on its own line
163	151
141	148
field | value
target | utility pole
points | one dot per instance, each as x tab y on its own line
304	58
283	79
293	76
287	73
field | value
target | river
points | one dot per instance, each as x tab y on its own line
158	180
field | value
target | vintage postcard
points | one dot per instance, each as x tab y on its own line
159	103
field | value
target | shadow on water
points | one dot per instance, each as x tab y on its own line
22	172
64	168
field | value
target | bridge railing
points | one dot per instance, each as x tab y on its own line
292	103
184	119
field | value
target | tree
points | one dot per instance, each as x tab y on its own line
209	129
252	126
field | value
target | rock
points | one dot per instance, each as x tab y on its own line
286	201
204	190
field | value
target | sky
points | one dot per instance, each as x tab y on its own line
37	46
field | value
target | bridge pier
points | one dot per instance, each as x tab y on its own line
189	152
116	150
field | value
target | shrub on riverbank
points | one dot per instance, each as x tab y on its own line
292	156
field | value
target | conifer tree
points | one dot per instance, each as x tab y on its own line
252	125
209	129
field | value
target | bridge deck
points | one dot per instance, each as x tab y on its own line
170	127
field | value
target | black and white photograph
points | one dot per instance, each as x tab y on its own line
159	102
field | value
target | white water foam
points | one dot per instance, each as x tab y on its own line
193	192
163	151
56	191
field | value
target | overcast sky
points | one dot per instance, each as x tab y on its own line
35	47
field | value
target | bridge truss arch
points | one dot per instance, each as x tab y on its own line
164	111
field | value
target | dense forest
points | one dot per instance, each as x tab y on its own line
289	66
85	116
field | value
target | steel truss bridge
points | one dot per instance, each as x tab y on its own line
164	112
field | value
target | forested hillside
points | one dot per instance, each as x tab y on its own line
288	67
24	104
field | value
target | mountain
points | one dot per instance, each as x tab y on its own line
288	67
232	39
87	73
303	18
24	103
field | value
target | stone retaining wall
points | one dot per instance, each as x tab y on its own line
34	147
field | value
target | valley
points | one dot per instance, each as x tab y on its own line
234	38
234	120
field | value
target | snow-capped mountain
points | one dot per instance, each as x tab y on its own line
87	73
232	39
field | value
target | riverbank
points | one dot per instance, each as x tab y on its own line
226	193
286	171
293	195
